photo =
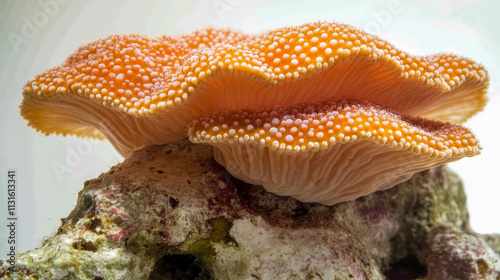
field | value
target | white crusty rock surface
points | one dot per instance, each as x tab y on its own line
171	212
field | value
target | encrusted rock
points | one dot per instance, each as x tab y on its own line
171	212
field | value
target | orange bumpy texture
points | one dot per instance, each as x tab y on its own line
329	151
314	126
136	90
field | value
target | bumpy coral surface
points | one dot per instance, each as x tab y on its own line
329	151
138	90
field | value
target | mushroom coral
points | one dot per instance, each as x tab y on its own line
329	151
323	111
136	90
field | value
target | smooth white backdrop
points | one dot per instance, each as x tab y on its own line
37	35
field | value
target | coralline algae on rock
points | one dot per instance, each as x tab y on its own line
171	212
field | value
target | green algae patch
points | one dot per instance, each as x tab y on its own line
204	248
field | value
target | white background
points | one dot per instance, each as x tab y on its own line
51	174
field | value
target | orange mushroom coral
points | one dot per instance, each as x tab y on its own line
329	151
325	140
157	86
